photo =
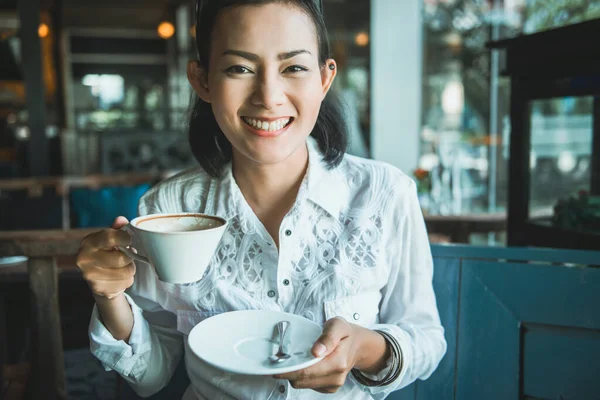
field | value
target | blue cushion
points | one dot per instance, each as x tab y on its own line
98	208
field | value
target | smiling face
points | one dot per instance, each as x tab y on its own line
264	81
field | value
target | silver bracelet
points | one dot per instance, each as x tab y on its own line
393	373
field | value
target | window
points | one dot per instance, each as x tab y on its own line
465	123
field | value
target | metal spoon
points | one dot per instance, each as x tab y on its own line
280	356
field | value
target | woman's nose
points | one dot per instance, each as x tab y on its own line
269	92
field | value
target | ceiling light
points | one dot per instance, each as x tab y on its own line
165	30
43	30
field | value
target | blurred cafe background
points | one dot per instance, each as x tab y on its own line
94	104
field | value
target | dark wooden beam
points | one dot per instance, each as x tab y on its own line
552	53
57	53
31	55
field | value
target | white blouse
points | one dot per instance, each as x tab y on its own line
354	245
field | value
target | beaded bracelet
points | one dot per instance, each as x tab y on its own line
397	363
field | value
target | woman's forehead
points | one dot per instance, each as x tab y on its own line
272	27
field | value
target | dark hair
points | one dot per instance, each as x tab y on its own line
207	141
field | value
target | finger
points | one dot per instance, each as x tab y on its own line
120	222
334	331
111	259
334	364
107	239
328	390
109	274
102	259
320	369
321	384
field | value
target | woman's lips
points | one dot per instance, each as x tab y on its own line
268	127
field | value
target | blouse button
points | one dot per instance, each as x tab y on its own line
281	389
288	233
356	316
286	282
271	293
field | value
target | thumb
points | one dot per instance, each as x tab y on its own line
120	222
334	331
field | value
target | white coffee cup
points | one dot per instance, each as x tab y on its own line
179	246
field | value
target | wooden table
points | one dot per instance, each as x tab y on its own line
458	228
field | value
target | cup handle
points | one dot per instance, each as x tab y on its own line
127	250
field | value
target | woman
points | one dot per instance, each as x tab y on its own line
337	239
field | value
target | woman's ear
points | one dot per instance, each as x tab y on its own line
198	78
328	73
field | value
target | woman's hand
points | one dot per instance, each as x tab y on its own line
344	346
107	271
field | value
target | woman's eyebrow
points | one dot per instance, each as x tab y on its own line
290	54
255	58
243	54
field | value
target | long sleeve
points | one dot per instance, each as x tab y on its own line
147	361
408	310
150	357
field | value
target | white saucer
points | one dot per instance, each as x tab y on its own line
240	342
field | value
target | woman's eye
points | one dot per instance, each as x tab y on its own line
295	68
238	70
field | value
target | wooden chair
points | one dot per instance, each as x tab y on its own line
45	377
14	381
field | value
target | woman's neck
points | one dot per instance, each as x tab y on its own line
271	190
265	185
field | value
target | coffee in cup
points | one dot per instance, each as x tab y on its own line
179	246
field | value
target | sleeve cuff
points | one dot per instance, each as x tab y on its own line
402	340
383	373
116	354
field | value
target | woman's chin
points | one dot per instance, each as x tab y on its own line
269	159
266	155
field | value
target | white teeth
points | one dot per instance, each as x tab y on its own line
266	126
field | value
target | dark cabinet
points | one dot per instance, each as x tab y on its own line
554	161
